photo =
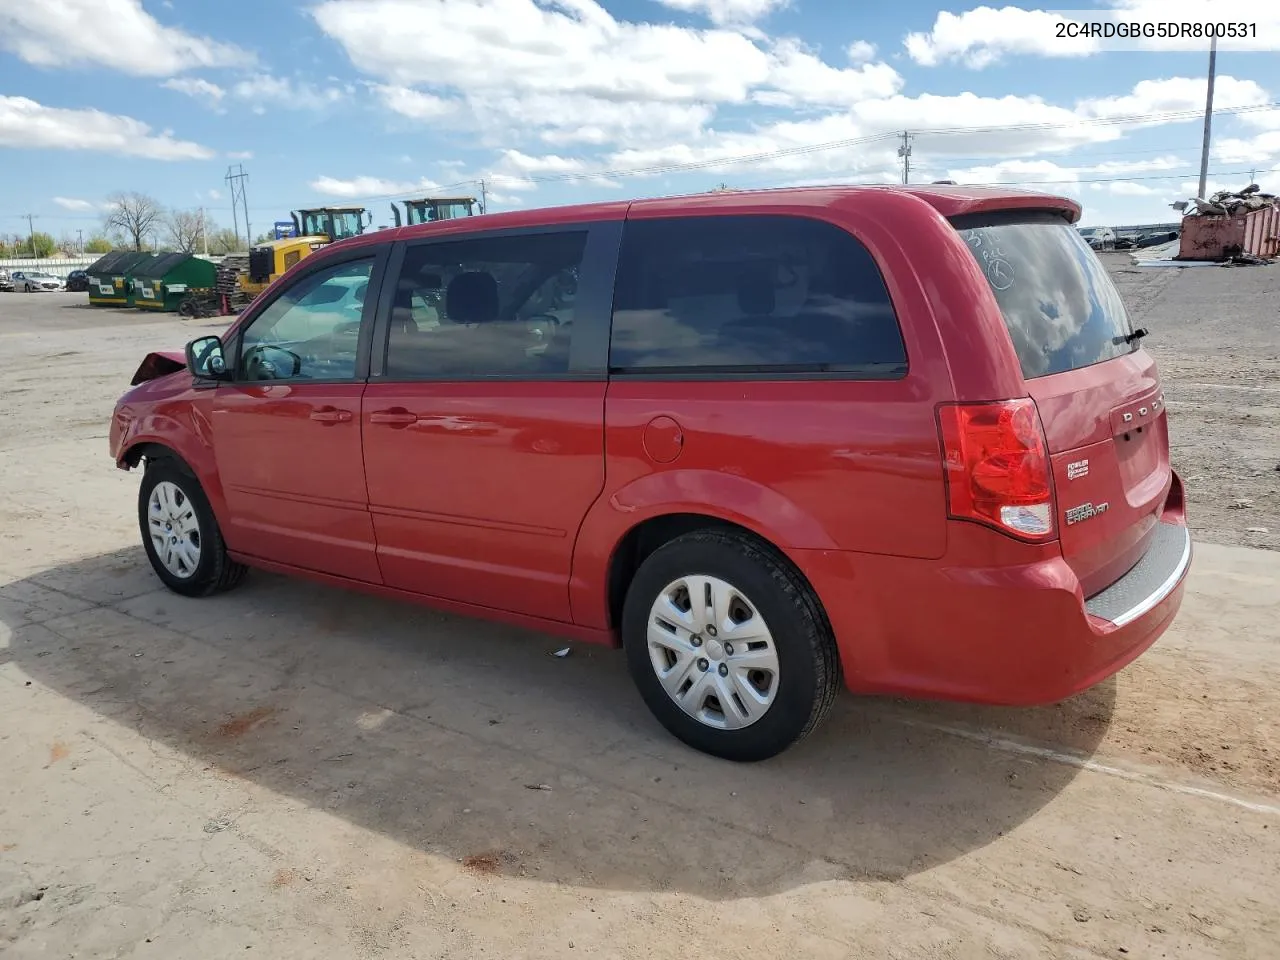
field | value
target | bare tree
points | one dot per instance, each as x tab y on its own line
133	214
185	229
224	241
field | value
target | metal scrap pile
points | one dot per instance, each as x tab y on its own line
1233	202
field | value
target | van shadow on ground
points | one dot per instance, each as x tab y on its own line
398	719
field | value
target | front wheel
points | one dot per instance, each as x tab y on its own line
728	645
180	533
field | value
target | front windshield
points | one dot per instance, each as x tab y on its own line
345	224
430	211
336	225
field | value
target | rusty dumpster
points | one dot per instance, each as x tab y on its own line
1218	237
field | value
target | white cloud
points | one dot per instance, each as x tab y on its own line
582	119
1125	188
118	34
239	154
1123	168
1029	172
1177	95
506	48
501	45
413	103
195	87
71	203
25	123
264	90
571	73
521	163
985	35
727	11
860	51
981	36
1262	149
365	187
798	77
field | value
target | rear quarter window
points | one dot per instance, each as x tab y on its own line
751	295
1059	305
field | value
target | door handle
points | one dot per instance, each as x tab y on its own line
329	415
395	417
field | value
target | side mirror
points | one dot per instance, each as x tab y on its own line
205	358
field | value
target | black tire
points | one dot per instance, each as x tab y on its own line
808	674
215	571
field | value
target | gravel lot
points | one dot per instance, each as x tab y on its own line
1216	334
313	773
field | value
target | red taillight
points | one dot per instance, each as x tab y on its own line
997	466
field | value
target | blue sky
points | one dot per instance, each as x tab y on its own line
559	101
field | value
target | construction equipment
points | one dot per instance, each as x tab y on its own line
431	209
314	229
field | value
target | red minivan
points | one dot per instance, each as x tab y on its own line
900	438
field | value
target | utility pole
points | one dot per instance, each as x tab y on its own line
1208	118
235	179
80	242
484	197
904	152
204	234
31	231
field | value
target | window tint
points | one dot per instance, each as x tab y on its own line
1062	310
750	294
494	306
311	330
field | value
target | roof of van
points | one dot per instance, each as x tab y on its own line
949	200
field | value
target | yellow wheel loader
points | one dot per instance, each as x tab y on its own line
431	209
315	229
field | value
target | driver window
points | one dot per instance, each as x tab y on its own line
310	331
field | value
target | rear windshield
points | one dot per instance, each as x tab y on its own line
1062	310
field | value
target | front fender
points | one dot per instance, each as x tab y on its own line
186	431
710	493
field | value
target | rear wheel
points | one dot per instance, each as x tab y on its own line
180	533
728	645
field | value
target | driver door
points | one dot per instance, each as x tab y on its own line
286	429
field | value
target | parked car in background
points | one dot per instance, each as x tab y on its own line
77	281
6	282
904	439
35	281
1099	238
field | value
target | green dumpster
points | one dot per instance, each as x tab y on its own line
143	261
168	279
108	278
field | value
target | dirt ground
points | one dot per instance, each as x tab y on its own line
304	772
1215	332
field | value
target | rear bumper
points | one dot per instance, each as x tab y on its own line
1014	633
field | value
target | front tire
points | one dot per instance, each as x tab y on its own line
729	646
180	532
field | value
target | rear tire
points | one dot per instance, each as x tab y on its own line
746	699
180	533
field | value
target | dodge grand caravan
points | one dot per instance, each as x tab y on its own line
904	440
